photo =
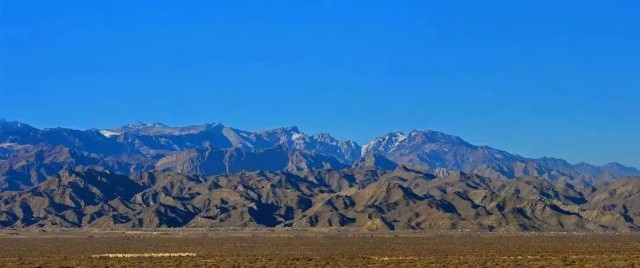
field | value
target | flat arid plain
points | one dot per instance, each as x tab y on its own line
312	248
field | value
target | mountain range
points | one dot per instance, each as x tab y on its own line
211	175
30	155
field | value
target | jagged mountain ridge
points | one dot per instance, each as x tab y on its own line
29	155
402	199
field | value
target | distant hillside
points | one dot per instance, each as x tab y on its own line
431	150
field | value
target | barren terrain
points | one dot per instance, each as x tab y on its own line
321	248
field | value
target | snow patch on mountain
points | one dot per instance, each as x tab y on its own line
108	133
297	136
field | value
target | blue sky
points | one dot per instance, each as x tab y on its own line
554	78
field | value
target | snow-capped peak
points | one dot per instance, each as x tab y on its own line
385	143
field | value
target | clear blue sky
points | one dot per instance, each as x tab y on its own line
555	78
